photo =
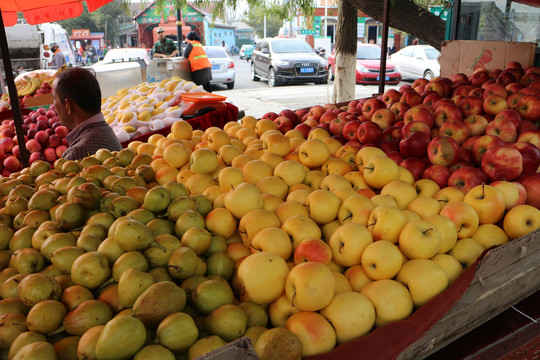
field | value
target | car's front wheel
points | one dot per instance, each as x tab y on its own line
428	75
330	73
253	75
272	81
230	85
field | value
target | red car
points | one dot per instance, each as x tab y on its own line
368	62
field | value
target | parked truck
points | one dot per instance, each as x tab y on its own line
29	45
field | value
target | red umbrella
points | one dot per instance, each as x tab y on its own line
35	12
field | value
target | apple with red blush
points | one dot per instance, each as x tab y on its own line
502	163
411	97
413	126
399	109
443	150
483	144
438	173
471	105
457	130
414	145
416	166
503	128
371	106
369	133
532	186
530	155
466	177
447	112
531	136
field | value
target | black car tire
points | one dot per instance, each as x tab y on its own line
330	73
272	81
253	75
428	75
230	86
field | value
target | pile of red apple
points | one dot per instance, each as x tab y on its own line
44	138
460	131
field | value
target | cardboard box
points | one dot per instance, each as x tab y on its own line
40	100
464	56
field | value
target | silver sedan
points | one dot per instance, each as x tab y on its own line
223	71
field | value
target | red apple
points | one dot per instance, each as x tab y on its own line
33	146
431	99
493	104
507	77
466	177
61	131
416	166
440	86
447	112
11	163
396	156
42	137
390	97
371	106
471	105
502	163
530	155
483	144
413	126
411	97
369	133
392	134
283	123
350	130
420	113
292	115
532	185
443	150
399	109
457	130
384	118
529	107
336	125
531	136
479	77
414	145
437	173
503	128
327	116
270	115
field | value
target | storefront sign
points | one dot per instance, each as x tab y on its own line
81	33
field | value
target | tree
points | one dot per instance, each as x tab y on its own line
256	21
344	83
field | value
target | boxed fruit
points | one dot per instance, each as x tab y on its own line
39	100
465	56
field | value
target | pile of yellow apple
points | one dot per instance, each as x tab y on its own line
146	107
174	247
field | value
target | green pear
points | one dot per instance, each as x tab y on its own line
146	172
15	204
95	229
86	348
47	178
131	284
13	305
188	219
46	316
60	185
103	218
161	226
25	338
74	182
109	181
132	235
158	301
27	261
205	345
121	338
257	315
89	161
36	351
204	205
176	189
157	199
23	190
43	200
177	332
38	287
217	244
44	231
103	154
160	274
87	195
254	332
39	167
125	156
70	166
88	314
183	263
227	321
129	260
11	325
142	215
110	163
197	239
211	294
179	205
22	238
8	185
191	284
64	256
35	218
18	220
88	242
123	184
279	344
56	241
160	251
66	348
98	172
9	288
220	264
122	205
70	215
154	352
140	159
90	270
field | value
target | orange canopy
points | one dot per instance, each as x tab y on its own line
41	11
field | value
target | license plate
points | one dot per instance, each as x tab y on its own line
216	67
306	70
385	78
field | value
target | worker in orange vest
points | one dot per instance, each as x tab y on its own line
201	69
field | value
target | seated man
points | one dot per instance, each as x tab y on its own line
77	101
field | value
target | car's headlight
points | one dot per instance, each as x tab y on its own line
282	63
362	69
322	63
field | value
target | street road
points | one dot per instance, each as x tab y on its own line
257	98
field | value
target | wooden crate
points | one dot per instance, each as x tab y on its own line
506	275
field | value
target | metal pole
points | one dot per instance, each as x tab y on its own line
13	96
325	15
384	47
179	30
265	25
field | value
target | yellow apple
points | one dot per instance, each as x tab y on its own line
351	314
386	223
263	277
198	183
290	208
277	144
242	199
280	310
419	239
313	179
487	201
365	154
426	187
237	250
315	332
405	175
490	235
380	170
333	144
181	130
318	133
313	153
424	278
381	260
272	240
274	186
301	227
322	206
271	202
356	178
248	122
255	170
448	195
391	300
272	159
521	220
291	172
384	200
334	182
424	206
221	221
400	191
348	243
355	209
466	251
254	221
447	231
357	277
177	155
336	166
203	161
227	153
450	265
310	286
298	194
513	192
342	283
216	139
263	125
463	216
314	250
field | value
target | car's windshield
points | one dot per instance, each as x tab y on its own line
215	53
432	54
368	53
287	46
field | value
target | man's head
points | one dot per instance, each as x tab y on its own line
53	47
161	33
76	95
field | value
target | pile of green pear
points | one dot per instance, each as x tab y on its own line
99	261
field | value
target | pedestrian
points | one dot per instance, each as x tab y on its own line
392	50
201	69
58	58
224	46
77	100
164	48
91	54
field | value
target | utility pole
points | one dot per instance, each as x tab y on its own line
179	30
